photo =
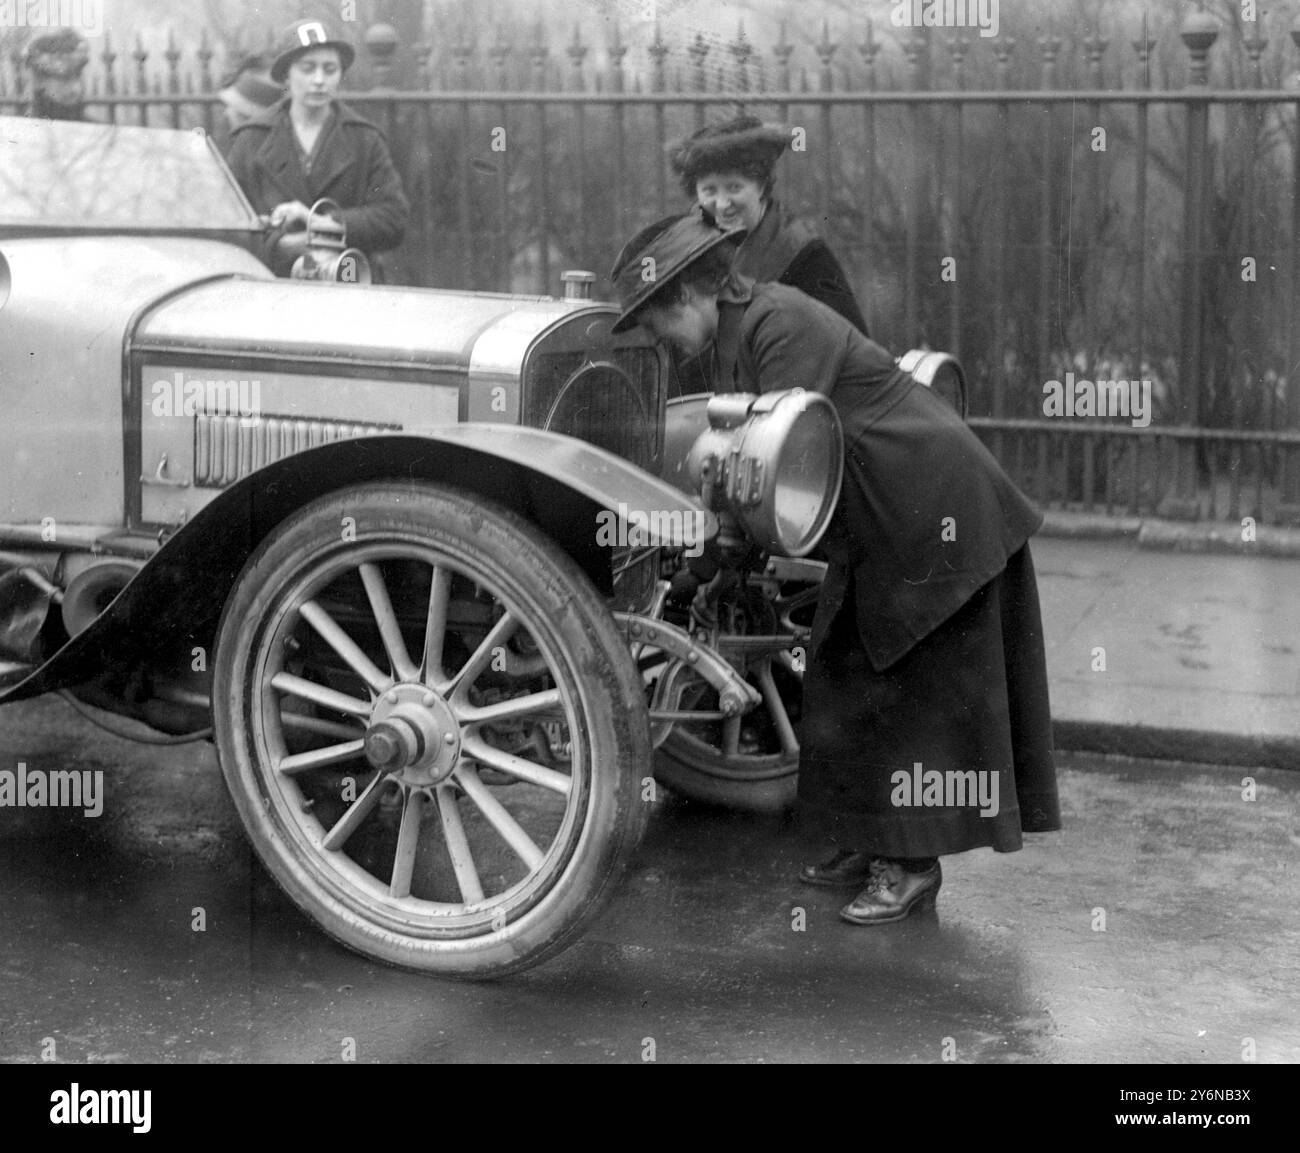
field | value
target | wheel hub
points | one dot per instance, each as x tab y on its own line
413	735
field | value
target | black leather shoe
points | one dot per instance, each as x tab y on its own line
892	893
846	867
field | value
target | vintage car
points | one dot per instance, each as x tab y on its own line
401	554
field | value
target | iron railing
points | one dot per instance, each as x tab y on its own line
987	221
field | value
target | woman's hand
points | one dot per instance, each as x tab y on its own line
292	243
290	215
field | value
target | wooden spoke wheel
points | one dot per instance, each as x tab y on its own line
431	728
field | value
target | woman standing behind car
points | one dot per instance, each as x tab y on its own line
311	145
248	93
728	169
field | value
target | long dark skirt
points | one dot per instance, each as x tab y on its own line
902	762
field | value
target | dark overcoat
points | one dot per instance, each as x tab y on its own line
927	644
787	249
350	164
926	515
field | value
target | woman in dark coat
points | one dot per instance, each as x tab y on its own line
728	170
926	726
311	145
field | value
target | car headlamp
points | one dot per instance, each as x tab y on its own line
328	256
939	372
775	462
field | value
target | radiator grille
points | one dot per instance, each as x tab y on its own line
615	401
615	404
229	448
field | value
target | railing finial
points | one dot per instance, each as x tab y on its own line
1199	32
380	43
1143	45
868	50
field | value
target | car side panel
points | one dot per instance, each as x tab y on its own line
567	487
61	348
190	451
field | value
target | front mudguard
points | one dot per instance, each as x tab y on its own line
572	490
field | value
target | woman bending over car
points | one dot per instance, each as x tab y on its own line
926	666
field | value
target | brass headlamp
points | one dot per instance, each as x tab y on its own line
775	463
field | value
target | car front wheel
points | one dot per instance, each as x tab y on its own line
431	728
749	763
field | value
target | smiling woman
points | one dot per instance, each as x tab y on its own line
728	169
310	146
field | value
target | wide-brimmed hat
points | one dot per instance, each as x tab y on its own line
59	54
673	244
304	35
728	146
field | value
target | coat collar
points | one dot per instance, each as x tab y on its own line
279	152
733	298
770	249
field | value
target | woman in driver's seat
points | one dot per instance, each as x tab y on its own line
311	145
927	647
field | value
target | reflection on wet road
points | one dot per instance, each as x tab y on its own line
700	951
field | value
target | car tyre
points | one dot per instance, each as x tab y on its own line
460	670
748	763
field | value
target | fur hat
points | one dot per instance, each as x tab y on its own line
741	144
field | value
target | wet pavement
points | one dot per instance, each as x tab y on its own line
1172	654
700	953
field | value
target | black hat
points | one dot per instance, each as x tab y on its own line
673	245
301	37
249	90
729	146
60	53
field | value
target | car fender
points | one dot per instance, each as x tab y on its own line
572	490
